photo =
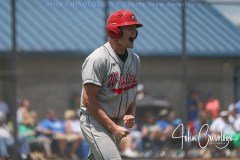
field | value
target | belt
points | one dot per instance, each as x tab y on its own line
84	110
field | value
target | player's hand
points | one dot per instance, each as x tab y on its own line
129	121
121	132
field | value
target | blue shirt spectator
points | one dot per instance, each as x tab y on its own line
53	128
193	105
162	124
176	122
52	125
192	109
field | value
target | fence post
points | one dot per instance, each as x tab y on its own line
13	77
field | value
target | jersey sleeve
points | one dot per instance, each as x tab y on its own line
93	70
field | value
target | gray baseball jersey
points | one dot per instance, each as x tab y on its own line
117	80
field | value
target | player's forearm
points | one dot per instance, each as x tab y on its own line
101	116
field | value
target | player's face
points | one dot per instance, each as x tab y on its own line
128	37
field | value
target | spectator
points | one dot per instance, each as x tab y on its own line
28	128
53	128
212	107
24	109
148	131
220	127
237	125
136	136
173	119
221	124
233	114
6	139
165	128
4	107
194	106
73	131
27	135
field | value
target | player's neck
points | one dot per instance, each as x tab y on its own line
117	47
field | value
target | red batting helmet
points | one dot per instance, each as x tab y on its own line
118	19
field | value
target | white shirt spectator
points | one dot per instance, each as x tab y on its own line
219	125
75	126
237	125
4	133
20	113
233	119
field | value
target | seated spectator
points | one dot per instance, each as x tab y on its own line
194	106
24	109
237	125
148	131
27	134
136	136
222	124
53	128
173	119
212	106
4	107
161	130
73	131
233	114
28	128
6	139
175	122
165	128
236	137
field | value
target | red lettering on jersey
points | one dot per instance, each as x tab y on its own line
121	90
125	82
113	79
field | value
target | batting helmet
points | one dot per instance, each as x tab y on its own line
118	19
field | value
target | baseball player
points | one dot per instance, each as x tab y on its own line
110	76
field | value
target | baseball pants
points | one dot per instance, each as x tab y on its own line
103	144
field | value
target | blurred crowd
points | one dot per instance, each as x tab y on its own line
210	131
221	122
151	136
53	137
